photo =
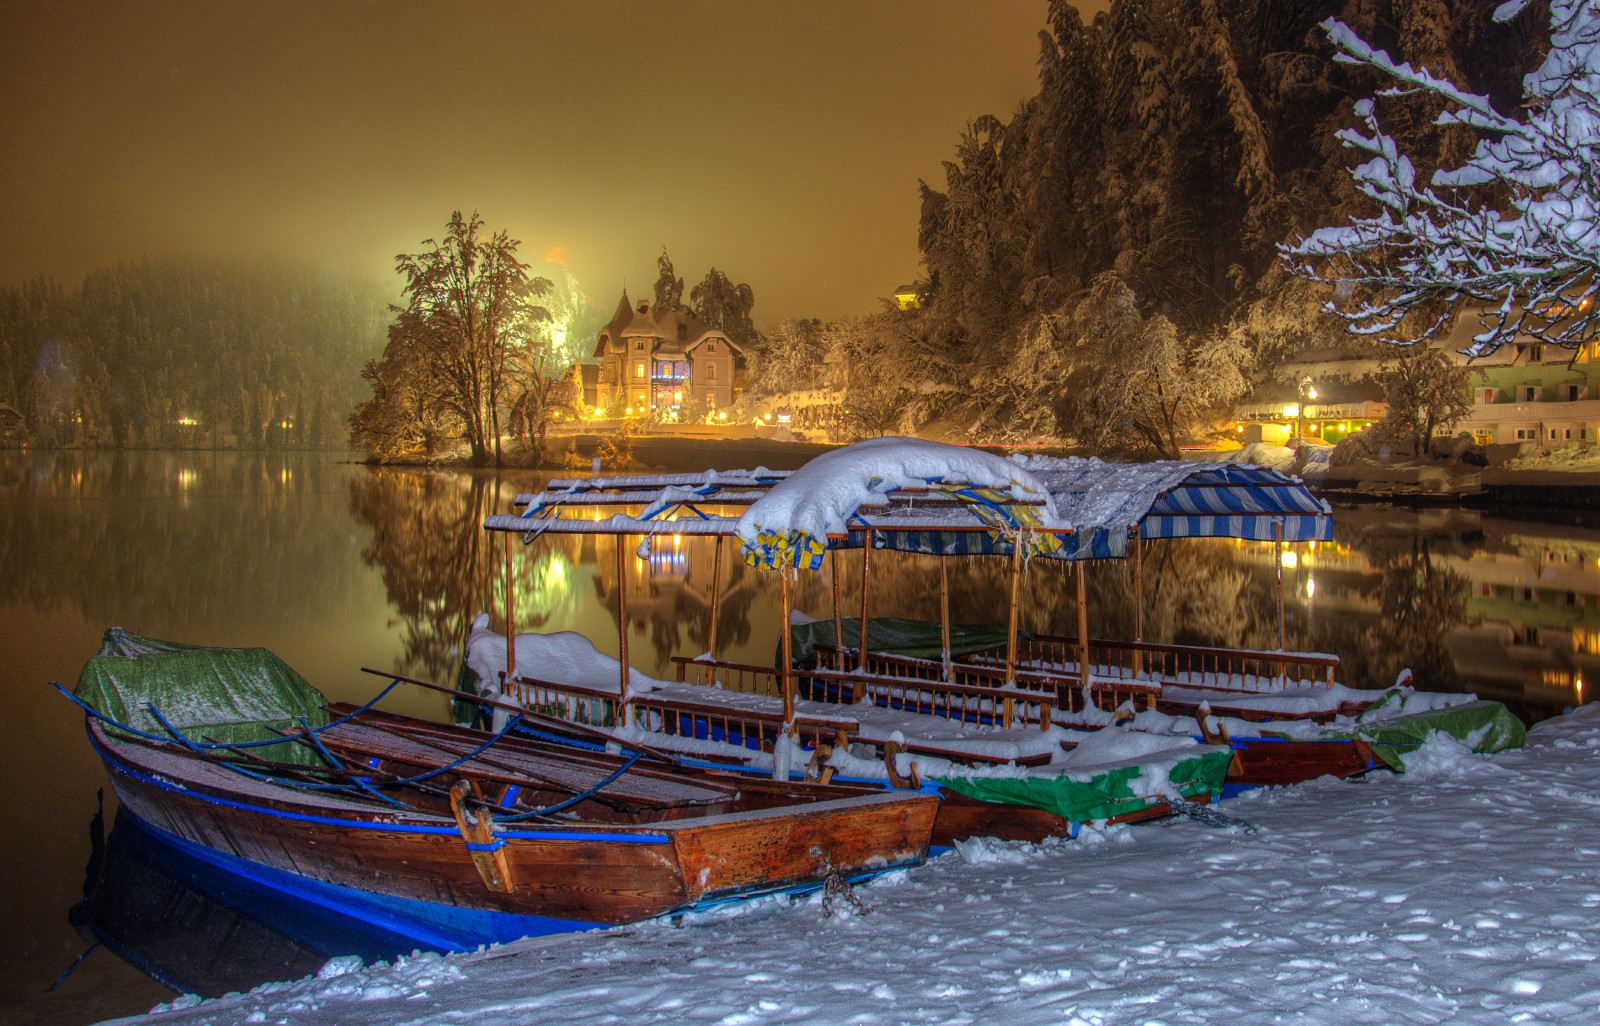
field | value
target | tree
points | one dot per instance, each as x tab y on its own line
1132	383
1513	230
1425	392
470	326
725	306
668	287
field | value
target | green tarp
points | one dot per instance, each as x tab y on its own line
228	694
1104	795
1486	726
894	636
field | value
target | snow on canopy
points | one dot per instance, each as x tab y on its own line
918	496
793	521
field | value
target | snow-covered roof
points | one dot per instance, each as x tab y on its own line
919	496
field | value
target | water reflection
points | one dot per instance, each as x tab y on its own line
196	930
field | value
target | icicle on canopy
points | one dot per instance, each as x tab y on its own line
919	496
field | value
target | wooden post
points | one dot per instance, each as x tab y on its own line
1011	624
838	613
1138	598
786	646
1277	564
866	577
1083	627
716	595
511	621
944	615
622	615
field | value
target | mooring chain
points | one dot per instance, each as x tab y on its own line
1206	815
834	885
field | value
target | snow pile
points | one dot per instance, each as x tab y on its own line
1414	898
564	657
817	499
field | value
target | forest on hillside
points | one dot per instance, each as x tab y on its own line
230	354
1102	265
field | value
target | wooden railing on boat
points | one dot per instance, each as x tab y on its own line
1065	691
597	707
1228	669
979	701
713	721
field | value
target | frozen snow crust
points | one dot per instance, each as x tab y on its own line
1464	891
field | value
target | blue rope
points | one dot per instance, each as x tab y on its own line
192	746
196	744
323	751
575	799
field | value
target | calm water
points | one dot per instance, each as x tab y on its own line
335	566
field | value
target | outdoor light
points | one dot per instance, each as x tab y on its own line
1311	392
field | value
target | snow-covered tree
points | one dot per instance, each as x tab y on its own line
1513	231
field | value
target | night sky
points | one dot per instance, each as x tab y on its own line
780	142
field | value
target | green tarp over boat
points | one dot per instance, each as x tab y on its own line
1101	795
228	694
891	635
1484	726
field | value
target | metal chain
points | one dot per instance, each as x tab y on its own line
834	885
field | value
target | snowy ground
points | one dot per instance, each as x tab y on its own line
1465	891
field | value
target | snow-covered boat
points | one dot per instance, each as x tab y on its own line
454	838
1017	708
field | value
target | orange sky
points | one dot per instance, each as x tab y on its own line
781	141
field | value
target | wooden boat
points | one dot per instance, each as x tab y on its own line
941	500
459	839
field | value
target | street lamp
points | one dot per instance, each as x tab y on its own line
1308	391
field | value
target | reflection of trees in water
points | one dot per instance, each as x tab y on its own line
438	565
1418	604
204	545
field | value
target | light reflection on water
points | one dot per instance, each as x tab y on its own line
335	566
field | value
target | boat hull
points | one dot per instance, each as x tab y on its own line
402	870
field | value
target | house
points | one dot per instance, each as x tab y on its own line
659	360
1528	392
13	428
1321	395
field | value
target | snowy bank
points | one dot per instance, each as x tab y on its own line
1463	892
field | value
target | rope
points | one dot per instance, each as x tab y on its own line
97	714
575	799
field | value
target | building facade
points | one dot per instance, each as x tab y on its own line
659	361
1526	392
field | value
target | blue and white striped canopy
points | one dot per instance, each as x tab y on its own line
1105	503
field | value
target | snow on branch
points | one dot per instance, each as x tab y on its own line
1514	232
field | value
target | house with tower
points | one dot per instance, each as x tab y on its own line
659	360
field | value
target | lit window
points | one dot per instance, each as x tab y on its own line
638	370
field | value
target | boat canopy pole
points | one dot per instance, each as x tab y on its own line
1011	628
838	614
786	642
622	617
1083	628
716	595
511	621
944	616
1277	565
1138	599
866	576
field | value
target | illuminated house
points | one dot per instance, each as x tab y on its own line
654	361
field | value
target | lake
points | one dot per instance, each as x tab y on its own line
336	566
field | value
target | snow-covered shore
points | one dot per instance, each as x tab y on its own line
1464	891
